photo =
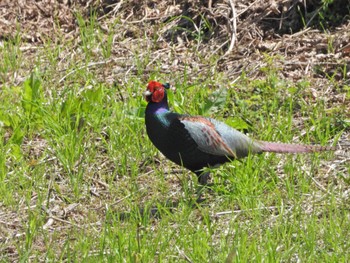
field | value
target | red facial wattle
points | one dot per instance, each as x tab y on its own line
155	92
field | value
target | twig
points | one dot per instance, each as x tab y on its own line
247	210
320	186
234	28
63	221
8	224
113	12
106	186
313	16
116	202
83	67
248	7
183	254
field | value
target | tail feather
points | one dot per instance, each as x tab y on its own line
293	148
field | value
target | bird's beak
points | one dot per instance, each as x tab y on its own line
147	95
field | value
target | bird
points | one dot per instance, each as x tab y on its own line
197	142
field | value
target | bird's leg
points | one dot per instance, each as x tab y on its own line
203	178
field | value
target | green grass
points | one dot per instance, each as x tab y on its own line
77	166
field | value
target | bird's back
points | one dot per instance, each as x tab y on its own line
176	141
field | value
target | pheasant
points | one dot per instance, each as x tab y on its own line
196	142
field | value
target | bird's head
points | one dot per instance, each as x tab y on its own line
155	91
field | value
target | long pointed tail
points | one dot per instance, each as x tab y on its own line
293	148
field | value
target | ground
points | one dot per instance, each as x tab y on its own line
268	60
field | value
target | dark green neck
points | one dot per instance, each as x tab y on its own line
158	107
